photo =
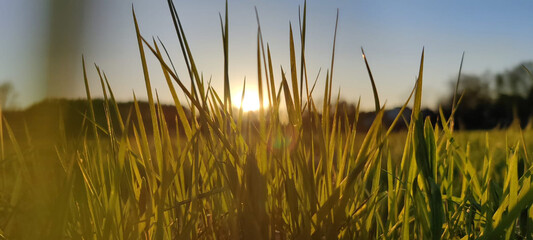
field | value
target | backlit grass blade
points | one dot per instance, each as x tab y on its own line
374	88
115	104
259	76
168	55
107	112
91	108
400	114
155	125
294	76
224	25
418	91
457	83
333	56
183	45
291	107
272	83
303	27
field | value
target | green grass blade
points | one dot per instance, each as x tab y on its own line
374	88
294	76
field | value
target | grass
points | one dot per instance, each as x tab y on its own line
229	177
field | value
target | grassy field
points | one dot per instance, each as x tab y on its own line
229	177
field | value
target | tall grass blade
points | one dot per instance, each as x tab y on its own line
374	88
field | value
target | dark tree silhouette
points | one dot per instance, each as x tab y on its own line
485	105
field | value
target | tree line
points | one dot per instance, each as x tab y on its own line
489	101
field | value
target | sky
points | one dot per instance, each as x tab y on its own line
495	36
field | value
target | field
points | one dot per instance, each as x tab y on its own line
290	170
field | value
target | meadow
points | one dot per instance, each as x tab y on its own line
290	170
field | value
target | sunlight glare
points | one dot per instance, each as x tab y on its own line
250	101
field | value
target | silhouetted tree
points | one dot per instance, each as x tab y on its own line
515	81
483	106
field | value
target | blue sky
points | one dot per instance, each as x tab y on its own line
495	35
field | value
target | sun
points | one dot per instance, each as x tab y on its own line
250	102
